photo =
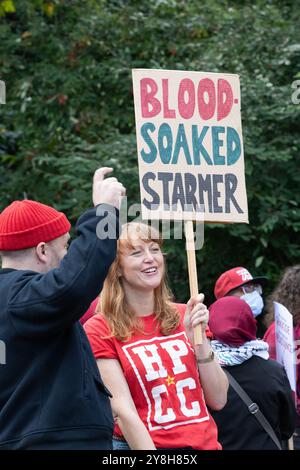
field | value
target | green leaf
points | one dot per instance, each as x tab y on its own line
259	261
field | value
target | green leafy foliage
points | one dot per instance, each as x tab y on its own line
67	68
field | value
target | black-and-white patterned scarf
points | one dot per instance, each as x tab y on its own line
232	356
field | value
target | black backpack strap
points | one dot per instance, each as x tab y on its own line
253	409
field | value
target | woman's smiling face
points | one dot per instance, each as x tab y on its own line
141	265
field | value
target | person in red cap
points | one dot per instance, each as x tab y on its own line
264	380
238	282
51	393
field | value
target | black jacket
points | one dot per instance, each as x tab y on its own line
51	393
267	384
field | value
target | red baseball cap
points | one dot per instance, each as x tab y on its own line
234	278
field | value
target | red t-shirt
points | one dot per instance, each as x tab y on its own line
162	374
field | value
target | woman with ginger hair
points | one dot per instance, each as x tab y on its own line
287	293
143	342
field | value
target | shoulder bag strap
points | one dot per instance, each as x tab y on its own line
253	408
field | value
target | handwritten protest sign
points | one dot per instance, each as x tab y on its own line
190	147
285	342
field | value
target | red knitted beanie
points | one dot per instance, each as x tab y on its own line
24	224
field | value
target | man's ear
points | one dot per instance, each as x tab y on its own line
41	252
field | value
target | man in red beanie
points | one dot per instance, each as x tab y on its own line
51	393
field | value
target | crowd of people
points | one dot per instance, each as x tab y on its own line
122	371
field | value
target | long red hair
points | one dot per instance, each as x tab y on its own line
113	305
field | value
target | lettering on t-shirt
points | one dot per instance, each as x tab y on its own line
164	367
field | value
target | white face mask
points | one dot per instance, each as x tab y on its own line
255	302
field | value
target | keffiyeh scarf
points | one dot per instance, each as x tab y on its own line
234	355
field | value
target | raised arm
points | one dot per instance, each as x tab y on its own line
43	304
124	410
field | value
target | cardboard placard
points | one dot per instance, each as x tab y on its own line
190	147
284	333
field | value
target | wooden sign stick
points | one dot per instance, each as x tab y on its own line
192	267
